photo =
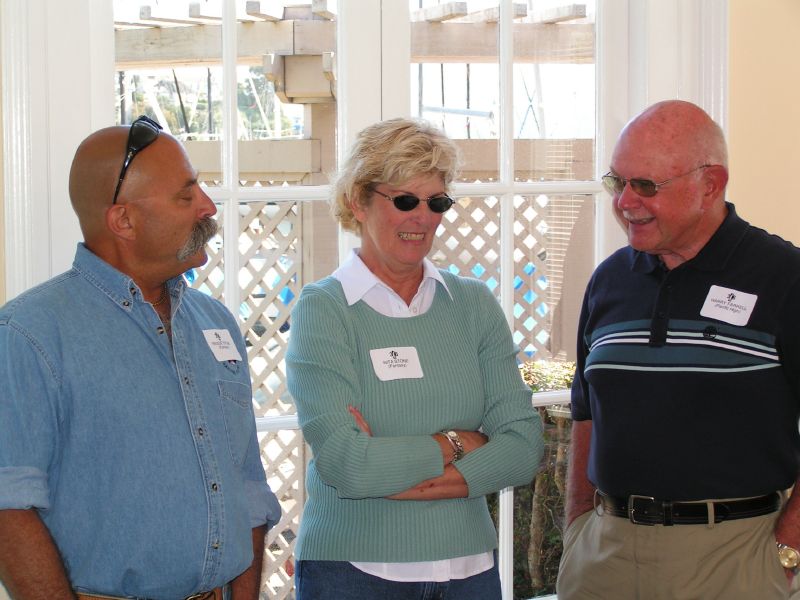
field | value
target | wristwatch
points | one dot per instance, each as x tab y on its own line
455	442
789	557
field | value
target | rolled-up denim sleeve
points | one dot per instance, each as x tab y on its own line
262	504
28	420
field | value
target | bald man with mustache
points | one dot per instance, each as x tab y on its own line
129	462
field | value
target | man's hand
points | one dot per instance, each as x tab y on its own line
580	491
247	585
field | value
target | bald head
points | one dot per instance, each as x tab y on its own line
680	151
679	131
93	177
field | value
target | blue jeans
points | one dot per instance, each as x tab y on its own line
339	580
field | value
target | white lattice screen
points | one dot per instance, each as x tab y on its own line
468	244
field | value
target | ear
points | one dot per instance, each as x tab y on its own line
120	222
715	178
359	210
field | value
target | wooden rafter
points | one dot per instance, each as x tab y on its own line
492	15
430	43
323	9
266	11
440	12
559	14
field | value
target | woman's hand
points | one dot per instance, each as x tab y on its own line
360	421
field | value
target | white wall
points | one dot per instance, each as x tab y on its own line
51	98
765	114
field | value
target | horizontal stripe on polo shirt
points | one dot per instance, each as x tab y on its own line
690	346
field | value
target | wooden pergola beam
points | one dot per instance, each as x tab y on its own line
440	12
492	14
294	159
560	14
266	11
430	43
157	16
477	43
323	9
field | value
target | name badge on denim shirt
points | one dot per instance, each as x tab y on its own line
221	344
726	304
396	363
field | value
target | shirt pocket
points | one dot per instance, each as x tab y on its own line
238	413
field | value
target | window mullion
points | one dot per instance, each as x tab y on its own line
230	159
505	44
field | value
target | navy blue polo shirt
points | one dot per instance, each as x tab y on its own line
691	376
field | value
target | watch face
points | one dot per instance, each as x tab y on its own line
789	557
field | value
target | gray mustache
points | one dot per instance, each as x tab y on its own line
202	232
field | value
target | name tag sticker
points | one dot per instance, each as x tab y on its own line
221	344
731	306
396	363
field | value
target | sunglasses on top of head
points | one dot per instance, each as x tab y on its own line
406	202
643	187
142	133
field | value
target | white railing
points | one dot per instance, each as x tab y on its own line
505	528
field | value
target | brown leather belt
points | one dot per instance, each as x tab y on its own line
644	510
215	594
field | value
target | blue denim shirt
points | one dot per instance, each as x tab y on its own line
140	456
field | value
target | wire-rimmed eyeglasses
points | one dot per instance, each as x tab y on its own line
643	187
143	132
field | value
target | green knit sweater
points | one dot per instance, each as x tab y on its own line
470	381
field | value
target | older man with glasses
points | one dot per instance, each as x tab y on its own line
129	463
686	396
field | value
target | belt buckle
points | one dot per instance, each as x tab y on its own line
632	509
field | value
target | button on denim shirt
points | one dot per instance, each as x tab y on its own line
140	456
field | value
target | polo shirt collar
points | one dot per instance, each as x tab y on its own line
713	256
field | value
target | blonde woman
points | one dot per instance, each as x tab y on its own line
407	390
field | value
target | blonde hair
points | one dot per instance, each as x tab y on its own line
391	152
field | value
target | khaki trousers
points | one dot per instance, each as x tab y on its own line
610	558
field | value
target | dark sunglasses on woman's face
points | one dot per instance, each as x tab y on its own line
143	132
406	202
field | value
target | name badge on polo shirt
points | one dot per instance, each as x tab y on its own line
221	344
396	363
726	304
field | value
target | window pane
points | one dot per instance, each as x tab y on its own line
286	96
168	66
455	83
553	258
455	78
554	93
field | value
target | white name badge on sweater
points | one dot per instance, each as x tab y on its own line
221	344
731	306
396	363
